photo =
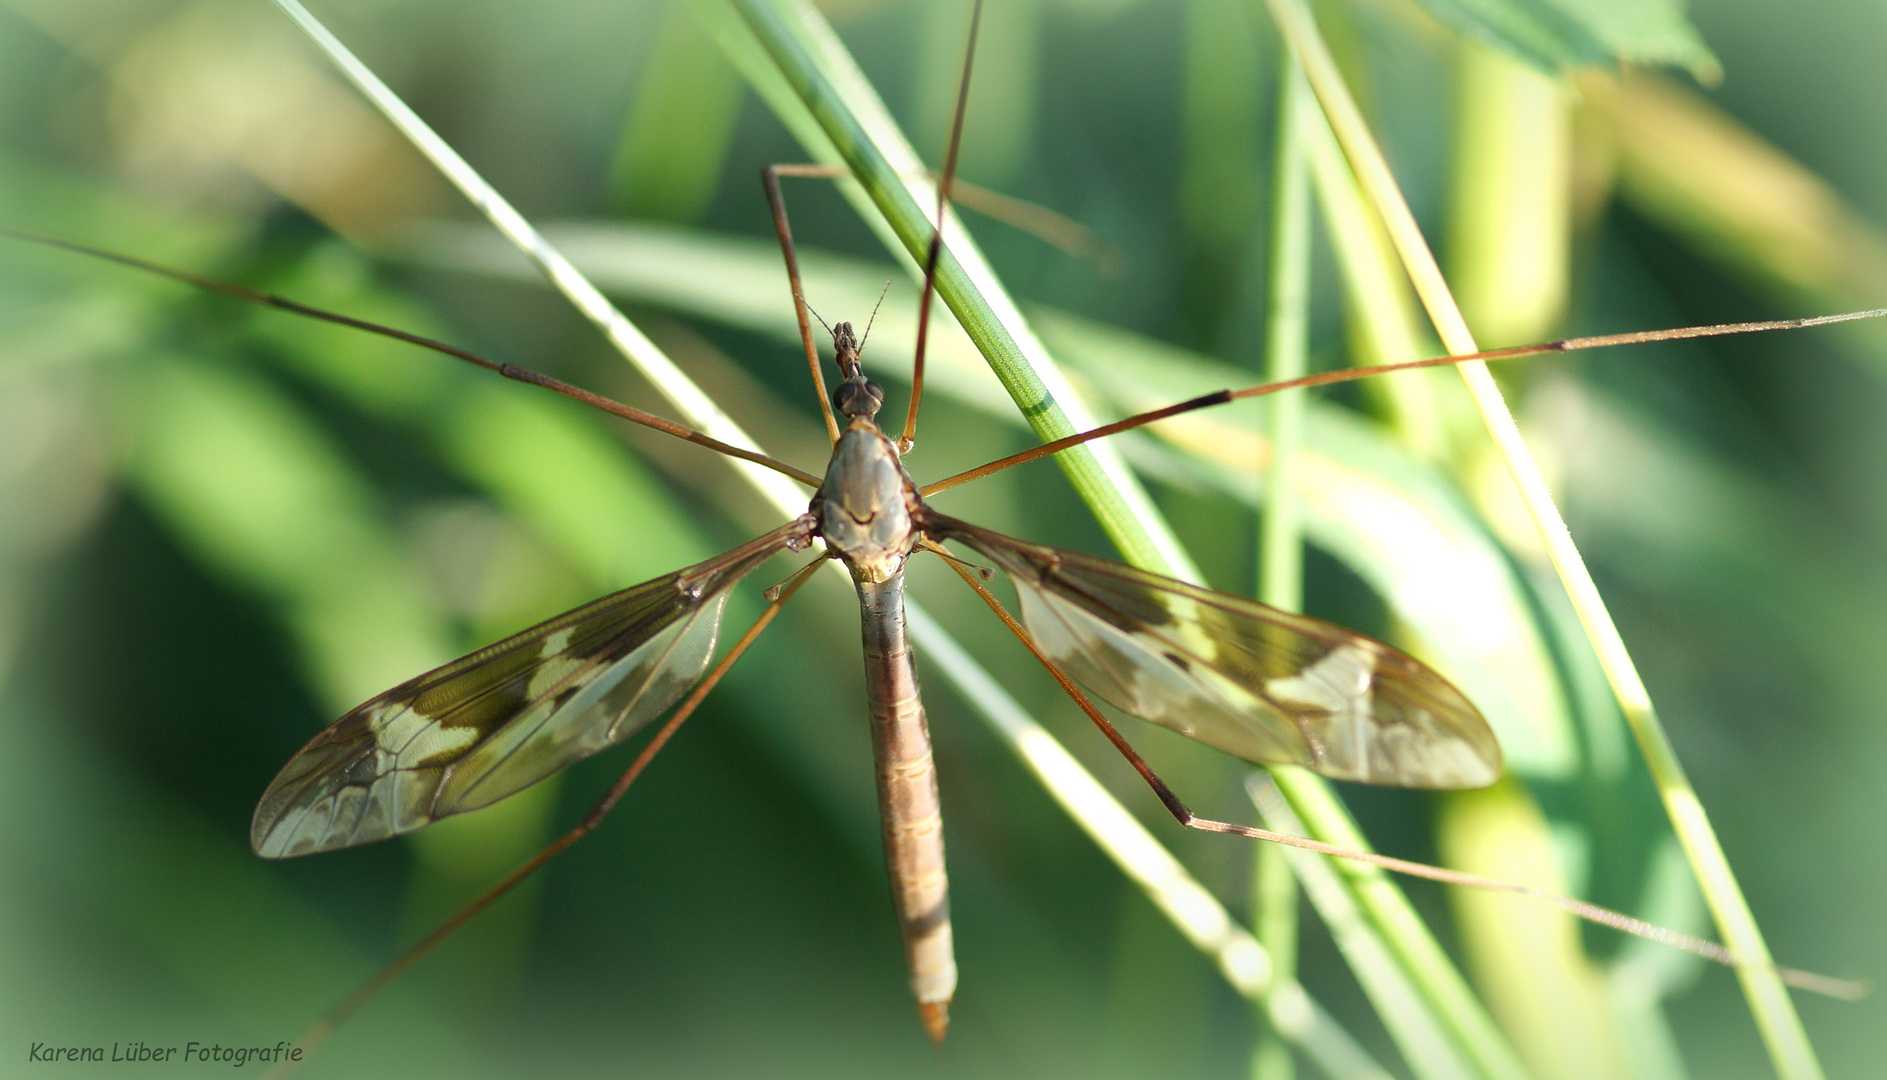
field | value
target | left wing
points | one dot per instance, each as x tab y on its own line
494	722
1261	684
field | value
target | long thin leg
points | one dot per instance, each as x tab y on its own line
509	371
770	180
1056	230
318	1033
1841	988
1220	397
909	438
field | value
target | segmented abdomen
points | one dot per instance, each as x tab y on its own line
907	799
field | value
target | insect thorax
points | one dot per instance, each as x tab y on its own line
867	504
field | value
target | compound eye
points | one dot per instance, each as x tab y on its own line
859	397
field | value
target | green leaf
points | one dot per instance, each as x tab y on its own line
680	126
1556	34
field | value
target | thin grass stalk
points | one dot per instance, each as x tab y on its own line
1280	527
1775	1014
635	346
1383	328
1426	963
1509	250
1428	1048
1143	859
1274	913
829	84
1287	350
1189	905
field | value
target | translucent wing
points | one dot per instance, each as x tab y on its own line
496	721
1261	684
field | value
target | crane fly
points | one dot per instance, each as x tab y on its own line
1264	685
1261	684
1253	681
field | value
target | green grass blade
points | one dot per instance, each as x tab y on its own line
832	89
1188	904
1280	527
1429	1048
697	407
1776	1018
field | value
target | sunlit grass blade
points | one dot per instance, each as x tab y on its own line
1643	976
1775	1014
1428	1048
831	88
1280	570
1529	961
1188	904
1509	262
635	346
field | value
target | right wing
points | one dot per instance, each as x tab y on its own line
1265	685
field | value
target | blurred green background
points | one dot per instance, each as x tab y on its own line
220	528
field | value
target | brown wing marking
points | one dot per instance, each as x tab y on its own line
495	721
1264	685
